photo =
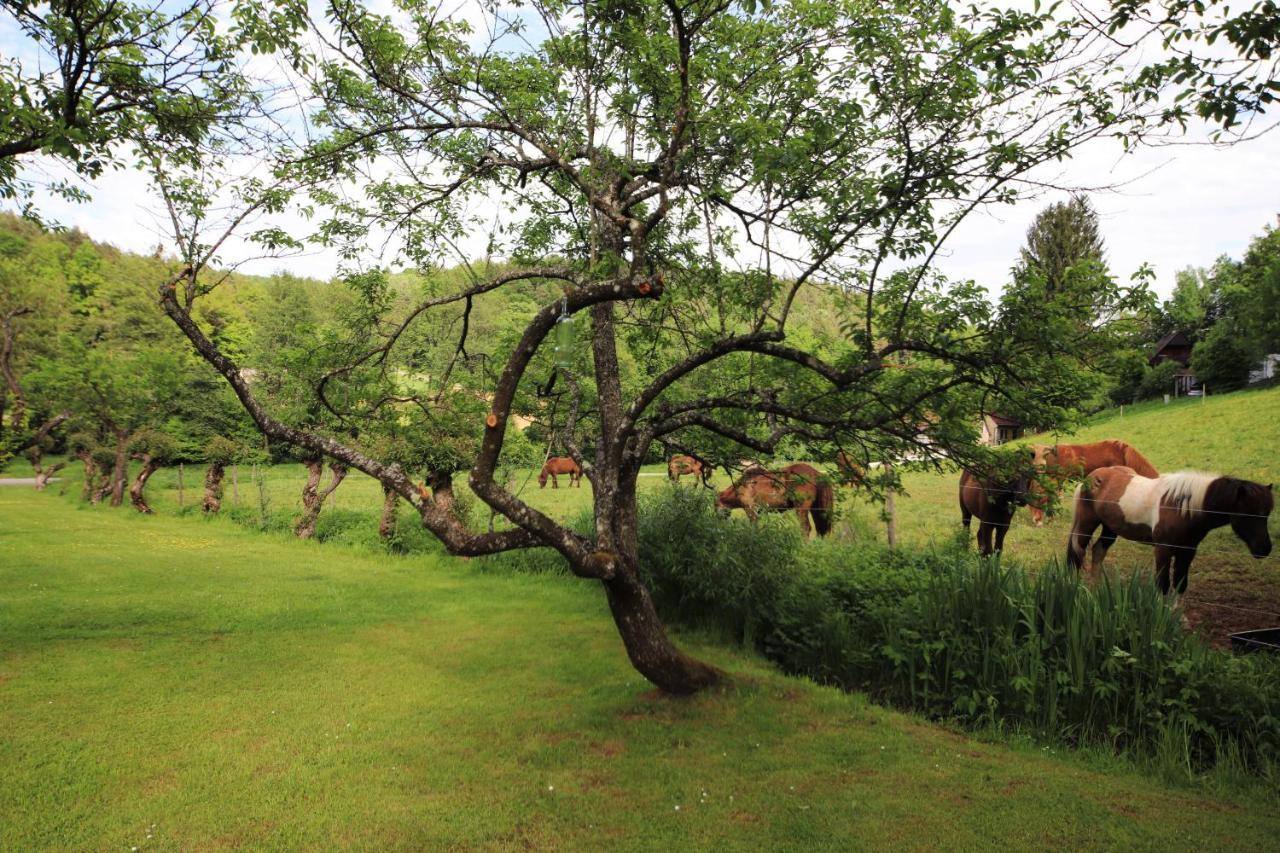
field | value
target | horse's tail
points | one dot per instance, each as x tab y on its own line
1138	462
824	503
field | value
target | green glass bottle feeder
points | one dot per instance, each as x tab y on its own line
564	338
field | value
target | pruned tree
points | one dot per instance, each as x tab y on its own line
677	180
39	443
218	453
152	448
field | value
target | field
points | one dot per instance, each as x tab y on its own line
179	683
1233	434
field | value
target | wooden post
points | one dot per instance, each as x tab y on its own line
235	483
891	512
179	485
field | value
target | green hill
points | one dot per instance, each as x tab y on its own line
1235	434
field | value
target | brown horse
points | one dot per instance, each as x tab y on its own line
560	465
852	473
682	464
1173	512
1062	462
993	504
800	487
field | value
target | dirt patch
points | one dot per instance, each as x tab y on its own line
609	748
746	818
1231	601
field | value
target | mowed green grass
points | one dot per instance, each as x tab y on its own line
176	683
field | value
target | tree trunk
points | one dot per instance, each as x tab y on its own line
387	524
120	471
312	498
213	487
617	536
90	475
139	501
43	477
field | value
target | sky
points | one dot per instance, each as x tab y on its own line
1170	207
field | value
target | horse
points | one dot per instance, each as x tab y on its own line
1173	512
851	472
560	465
1062	462
800	487
682	464
993	504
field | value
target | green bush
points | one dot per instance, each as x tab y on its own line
953	636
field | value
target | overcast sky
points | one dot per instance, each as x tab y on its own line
1172	207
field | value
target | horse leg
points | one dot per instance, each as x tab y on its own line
1001	529
1082	528
1106	539
1181	565
984	538
802	512
1164	556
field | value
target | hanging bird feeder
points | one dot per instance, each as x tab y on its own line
564	337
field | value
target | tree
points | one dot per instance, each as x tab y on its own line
152	448
1063	235
110	72
685	176
1260	279
219	453
1223	359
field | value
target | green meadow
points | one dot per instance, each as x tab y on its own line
181	683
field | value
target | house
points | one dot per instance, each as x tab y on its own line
1176	347
997	429
1268	369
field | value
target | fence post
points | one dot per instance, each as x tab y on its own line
235	484
179	485
891	512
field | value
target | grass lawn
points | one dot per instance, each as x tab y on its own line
179	683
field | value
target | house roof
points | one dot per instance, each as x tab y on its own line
1173	339
1001	420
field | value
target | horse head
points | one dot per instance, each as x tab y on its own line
542	477
728	499
1253	506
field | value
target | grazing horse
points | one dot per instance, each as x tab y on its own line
560	465
851	472
993	504
682	464
1173	512
800	487
1062	462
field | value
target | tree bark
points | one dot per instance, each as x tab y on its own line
387	524
313	498
136	497
213	487
120	471
43	476
90	475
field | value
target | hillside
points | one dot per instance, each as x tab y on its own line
1233	434
183	684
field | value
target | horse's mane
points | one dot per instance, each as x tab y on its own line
1185	490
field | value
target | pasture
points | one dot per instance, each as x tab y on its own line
1232	434
180	683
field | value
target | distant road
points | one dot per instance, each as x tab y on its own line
23	481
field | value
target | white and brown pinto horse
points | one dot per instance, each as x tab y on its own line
800	487
1173	512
